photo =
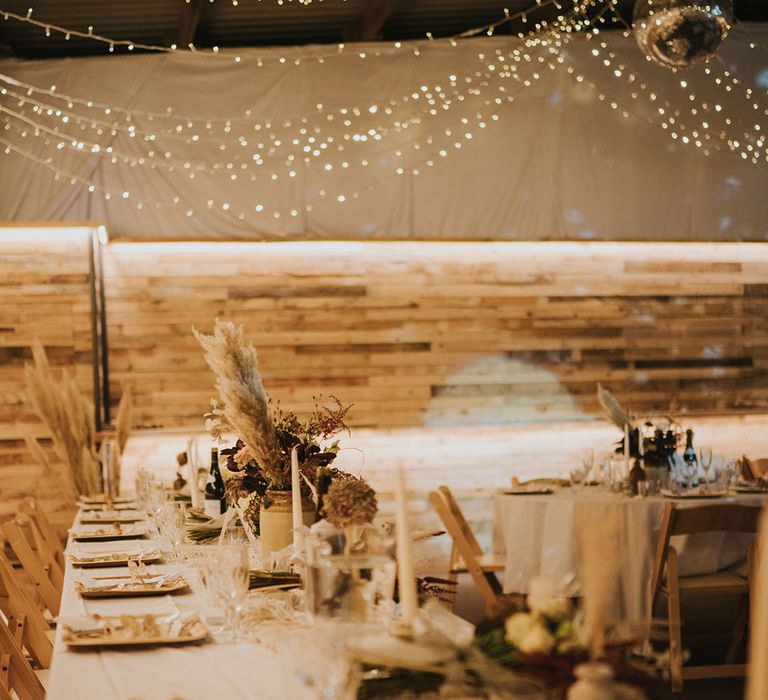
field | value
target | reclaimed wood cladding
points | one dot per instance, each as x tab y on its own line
420	333
44	293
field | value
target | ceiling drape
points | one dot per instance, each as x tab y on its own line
559	158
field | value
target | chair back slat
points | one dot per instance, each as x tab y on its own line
461	521
715	518
14	602
22	679
31	564
486	582
32	508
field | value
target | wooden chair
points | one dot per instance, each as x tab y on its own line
17	678
467	555
31	508
666	581
37	561
26	620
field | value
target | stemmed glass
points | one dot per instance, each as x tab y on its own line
171	522
705	459
230	576
156	495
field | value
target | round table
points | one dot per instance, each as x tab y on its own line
538	535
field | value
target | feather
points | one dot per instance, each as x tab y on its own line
612	407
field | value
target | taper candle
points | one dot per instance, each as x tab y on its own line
406	576
296	500
194	492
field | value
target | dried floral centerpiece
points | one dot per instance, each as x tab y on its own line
69	419
260	460
655	440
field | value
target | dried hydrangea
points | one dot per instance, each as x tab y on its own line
350	502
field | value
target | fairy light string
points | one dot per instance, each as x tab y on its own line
284	147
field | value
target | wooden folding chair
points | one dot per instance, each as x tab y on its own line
25	619
467	555
31	508
667	582
17	678
36	560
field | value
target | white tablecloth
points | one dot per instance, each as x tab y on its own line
268	668
538	533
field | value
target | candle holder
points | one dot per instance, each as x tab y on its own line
349	574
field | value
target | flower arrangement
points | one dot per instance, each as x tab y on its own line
549	626
655	440
260	459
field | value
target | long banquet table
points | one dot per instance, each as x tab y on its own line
267	667
537	534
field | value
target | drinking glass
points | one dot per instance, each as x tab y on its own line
705	459
156	495
142	477
171	522
577	479
230	576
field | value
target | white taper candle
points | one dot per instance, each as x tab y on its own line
194	492
406	576
296	500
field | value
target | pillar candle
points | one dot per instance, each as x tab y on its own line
405	572
296	499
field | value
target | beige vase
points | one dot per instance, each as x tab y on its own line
276	523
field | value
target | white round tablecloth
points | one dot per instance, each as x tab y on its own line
538	534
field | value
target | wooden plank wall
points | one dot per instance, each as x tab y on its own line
436	334
44	293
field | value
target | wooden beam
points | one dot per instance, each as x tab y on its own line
189	19
372	21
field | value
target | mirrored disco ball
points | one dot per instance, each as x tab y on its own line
677	34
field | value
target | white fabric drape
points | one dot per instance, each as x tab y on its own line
558	163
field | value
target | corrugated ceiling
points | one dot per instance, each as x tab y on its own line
258	22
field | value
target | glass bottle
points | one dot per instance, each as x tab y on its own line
215	503
690	462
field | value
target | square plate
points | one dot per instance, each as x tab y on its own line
125	586
111	516
693	496
108	533
114	559
132	630
101	501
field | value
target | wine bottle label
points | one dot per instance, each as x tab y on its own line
212	507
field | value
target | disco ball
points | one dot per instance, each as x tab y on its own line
678	34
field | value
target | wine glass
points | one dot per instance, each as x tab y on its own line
156	495
171	522
705	459
230	577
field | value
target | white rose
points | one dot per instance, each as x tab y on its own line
538	640
518	626
551	607
543	597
